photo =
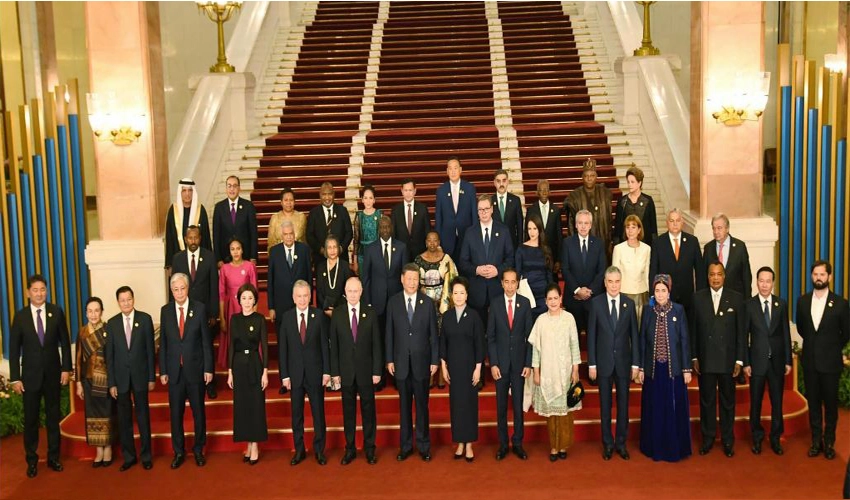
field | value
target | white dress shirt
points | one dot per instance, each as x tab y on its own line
818	306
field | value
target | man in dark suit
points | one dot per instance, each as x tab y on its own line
583	268
487	251
823	321
613	354
356	366
234	217
411	222
551	218
328	218
305	368
732	253
507	208
412	357
37	335
455	210
288	263
199	264
677	253
768	357
131	373
718	348
508	328
185	365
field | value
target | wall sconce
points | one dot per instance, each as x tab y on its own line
744	99
220	12
110	121
834	63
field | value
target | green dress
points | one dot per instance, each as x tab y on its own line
365	232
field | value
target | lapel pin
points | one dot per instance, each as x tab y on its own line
324	274
721	313
295	257
830	305
364	315
596	207
776	304
420	301
449	194
374	217
625	305
415	214
641	203
50	315
730	310
674	318
136	325
105	334
393	249
240	207
461	191
517	305
497	235
191	313
312	315
242	272
684	239
200	259
733	244
250	328
464	315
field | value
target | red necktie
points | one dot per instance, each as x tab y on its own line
510	314
720	254
193	268
182	322
303	329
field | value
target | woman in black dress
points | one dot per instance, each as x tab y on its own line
248	373
462	353
331	278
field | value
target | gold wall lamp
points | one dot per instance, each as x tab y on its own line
741	99
220	12
112	120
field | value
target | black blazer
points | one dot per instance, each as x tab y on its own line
318	231
281	277
822	347
608	345
512	218
472	255
764	340
38	362
578	274
739	276
355	361
688	273
412	346
195	348
508	347
415	241
310	360
204	288
224	229
324	292
718	341
379	282
133	365
649	219
553	227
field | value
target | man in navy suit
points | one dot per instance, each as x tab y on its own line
185	365
677	253
411	222
328	218
130	357
234	217
305	368
551	218
507	208
732	253
583	267
455	211
768	357
613	356
412	358
508	328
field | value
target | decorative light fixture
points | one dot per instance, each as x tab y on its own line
744	100
646	48
110	121
835	63
220	12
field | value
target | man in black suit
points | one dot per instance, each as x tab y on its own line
356	366
507	208
823	321
131	373
234	217
768	357
328	218
305	368
37	335
732	253
411	222
677	253
412	357
551	218
508	328
199	264
583	268
185	365
613	356
288	263
718	348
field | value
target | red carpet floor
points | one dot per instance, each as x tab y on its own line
583	475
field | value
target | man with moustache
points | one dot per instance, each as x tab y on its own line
507	208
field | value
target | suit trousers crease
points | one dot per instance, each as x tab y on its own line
511	379
774	378
367	415
710	384
50	391
621	383
317	409
126	401
417	390
822	396
178	393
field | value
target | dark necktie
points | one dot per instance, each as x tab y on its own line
330	218
387	254
502	208
766	314
410	218
487	243
354	323
193	268
614	312
233	212
39	326
303	330
584	251
289	257
410	310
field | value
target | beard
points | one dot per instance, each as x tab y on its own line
820	285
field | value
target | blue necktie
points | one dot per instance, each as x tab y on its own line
39	326
410	310
584	251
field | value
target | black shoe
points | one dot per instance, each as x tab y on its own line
246	458
776	447
32	470
348	457
458	456
606	453
126	465
624	453
178	460
106	463
553	457
756	449
282	390
562	455
211	394
501	453
97	465
299	457
56	466
200	461
320	457
253	462
403	455
705	448
371	458
829	452
426	456
728	450
147	465
814	450
519	452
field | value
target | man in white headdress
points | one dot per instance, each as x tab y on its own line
186	211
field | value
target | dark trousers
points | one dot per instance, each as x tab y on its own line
178	393
511	379
410	390
125	422
775	379
316	392
621	382
367	413
822	395
50	391
709	386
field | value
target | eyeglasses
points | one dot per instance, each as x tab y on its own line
484	209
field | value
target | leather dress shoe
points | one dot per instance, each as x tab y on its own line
147	465
705	448
519	452
371	458
776	447
178	461
403	455
211	393
56	466
299	457
814	450
624	453
553	457
200	460
728	450
426	456
562	455
501	453
829	452
348	457
126	465
97	465
756	447
606	453
32	470
106	463
321	459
